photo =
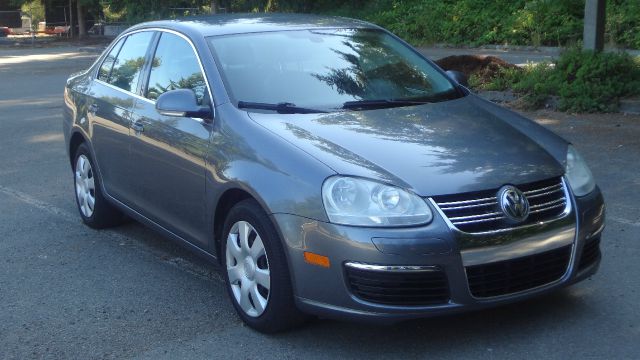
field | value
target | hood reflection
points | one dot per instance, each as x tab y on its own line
433	149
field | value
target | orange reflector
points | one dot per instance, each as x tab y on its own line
316	259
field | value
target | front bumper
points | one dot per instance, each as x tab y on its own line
327	292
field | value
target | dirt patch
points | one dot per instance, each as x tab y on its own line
484	68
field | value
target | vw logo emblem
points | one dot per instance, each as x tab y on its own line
513	203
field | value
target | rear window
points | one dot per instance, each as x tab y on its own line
107	64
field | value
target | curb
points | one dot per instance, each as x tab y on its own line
507	97
529	48
92	49
625	106
498	96
630	106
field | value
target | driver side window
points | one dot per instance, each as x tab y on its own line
175	66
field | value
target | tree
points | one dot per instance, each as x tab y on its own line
82	8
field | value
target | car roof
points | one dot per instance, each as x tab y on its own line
226	24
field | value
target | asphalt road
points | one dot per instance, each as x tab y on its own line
67	291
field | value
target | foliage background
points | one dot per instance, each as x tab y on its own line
459	22
479	22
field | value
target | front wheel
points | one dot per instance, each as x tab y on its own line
256	270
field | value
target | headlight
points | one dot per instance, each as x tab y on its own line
355	201
578	174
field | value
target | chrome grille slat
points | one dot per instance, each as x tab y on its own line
471	217
562	200
543	194
478	221
470	206
479	212
563	204
466	201
528	193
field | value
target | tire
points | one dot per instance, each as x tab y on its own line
94	209
257	277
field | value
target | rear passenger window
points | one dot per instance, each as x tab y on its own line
107	64
128	64
175	66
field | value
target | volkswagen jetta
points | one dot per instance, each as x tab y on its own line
329	168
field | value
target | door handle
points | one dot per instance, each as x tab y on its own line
93	108
138	126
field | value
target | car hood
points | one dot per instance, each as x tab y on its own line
433	149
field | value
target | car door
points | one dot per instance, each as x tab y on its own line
168	153
111	99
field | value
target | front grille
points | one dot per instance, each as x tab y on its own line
590	253
511	276
399	288
477	212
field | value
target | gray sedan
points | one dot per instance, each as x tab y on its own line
329	168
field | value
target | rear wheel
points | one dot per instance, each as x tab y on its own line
256	270
95	211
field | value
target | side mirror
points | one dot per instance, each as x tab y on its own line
458	77
182	102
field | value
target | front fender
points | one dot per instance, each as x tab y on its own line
246	156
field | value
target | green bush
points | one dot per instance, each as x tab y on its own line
594	82
623	23
504	80
536	83
584	81
419	22
548	22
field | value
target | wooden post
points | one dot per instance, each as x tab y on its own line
594	20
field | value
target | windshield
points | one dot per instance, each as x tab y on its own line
326	69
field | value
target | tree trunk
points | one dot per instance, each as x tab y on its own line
82	26
214	7
71	28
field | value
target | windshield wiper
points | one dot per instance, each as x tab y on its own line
281	108
380	103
